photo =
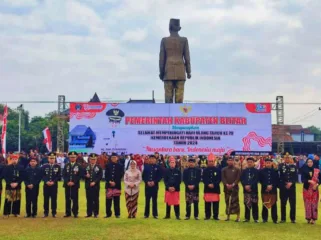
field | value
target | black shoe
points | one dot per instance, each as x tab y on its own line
45	216
264	221
238	220
256	221
54	215
67	216
146	217
107	216
178	218
293	221
27	216
275	222
16	215
34	216
206	219
167	217
246	221
76	216
196	218
118	216
88	216
95	216
282	221
155	217
216	219
186	218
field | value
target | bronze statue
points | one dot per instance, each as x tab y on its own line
174	61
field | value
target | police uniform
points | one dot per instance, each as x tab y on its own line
212	175
32	177
250	177
151	173
192	176
269	177
288	174
12	174
72	173
114	173
50	173
95	173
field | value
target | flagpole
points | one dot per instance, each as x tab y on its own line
19	144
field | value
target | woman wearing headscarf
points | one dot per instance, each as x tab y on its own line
311	178
132	179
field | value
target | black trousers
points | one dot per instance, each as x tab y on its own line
50	193
255	211
209	206
168	210
32	201
71	195
189	208
109	203
285	195
151	193
92	195
274	213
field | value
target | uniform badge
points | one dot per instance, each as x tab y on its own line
55	170
96	169
76	169
215	173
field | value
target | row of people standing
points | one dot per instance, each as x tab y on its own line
284	178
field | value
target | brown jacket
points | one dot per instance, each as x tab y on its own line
174	58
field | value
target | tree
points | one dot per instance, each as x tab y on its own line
316	131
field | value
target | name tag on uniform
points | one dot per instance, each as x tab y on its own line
292	170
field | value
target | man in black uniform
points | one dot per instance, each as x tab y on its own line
152	174
172	180
93	176
72	174
192	178
13	175
269	179
51	174
288	177
249	180
114	173
212	179
32	180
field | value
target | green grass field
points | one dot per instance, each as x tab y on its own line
140	228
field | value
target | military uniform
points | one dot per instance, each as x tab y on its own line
114	173
12	174
172	178
250	177
174	61
288	174
50	173
151	173
92	192
212	175
269	177
72	172
32	177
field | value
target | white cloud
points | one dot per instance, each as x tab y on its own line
20	3
241	50
136	35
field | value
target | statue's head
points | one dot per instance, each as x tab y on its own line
174	25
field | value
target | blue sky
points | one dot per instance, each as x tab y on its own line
241	50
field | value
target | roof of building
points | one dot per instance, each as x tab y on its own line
283	132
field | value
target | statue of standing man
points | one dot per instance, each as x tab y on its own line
174	61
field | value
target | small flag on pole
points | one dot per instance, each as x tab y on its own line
4	131
47	139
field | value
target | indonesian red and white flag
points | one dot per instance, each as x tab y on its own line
4	131
47	138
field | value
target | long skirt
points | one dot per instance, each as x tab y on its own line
172	198
311	200
250	198
232	201
131	204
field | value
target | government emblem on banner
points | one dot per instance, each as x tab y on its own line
185	109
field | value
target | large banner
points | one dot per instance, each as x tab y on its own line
175	129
